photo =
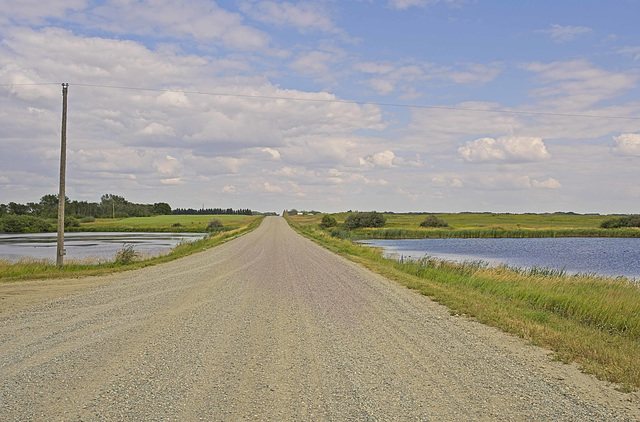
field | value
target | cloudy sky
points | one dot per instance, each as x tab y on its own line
401	105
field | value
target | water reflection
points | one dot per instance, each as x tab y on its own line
604	256
83	245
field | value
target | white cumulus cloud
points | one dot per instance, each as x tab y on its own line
172	181
549	183
382	159
627	144
274	153
229	189
504	149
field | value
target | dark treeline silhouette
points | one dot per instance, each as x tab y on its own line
211	211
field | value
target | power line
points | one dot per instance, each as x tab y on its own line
321	100
32	84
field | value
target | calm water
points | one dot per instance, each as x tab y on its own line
605	256
82	245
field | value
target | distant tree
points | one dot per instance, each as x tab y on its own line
161	208
364	219
111	205
18	209
328	221
211	211
49	206
433	221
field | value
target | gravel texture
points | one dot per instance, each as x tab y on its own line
271	327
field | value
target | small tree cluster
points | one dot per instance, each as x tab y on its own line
433	221
328	221
109	206
627	221
364	219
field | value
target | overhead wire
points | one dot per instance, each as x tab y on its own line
325	100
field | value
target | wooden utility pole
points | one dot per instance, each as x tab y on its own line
63	167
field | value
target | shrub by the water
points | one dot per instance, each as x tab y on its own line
214	225
342	234
71	222
364	219
126	255
433	221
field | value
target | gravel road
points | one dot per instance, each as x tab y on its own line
271	327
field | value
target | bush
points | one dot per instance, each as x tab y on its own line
126	255
214	225
433	221
328	221
25	224
71	222
364	219
176	225
627	221
88	219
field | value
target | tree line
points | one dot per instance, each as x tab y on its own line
110	206
211	211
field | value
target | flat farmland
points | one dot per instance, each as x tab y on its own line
176	223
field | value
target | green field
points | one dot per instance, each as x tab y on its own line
506	221
479	225
594	321
162	223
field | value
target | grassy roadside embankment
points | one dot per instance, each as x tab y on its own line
593	321
27	269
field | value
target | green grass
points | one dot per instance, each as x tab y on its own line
494	232
594	321
161	223
487	226
506	221
26	269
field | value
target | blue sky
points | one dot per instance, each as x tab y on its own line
305	120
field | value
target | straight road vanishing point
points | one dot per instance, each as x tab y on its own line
270	327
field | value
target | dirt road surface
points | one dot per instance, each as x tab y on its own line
271	327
